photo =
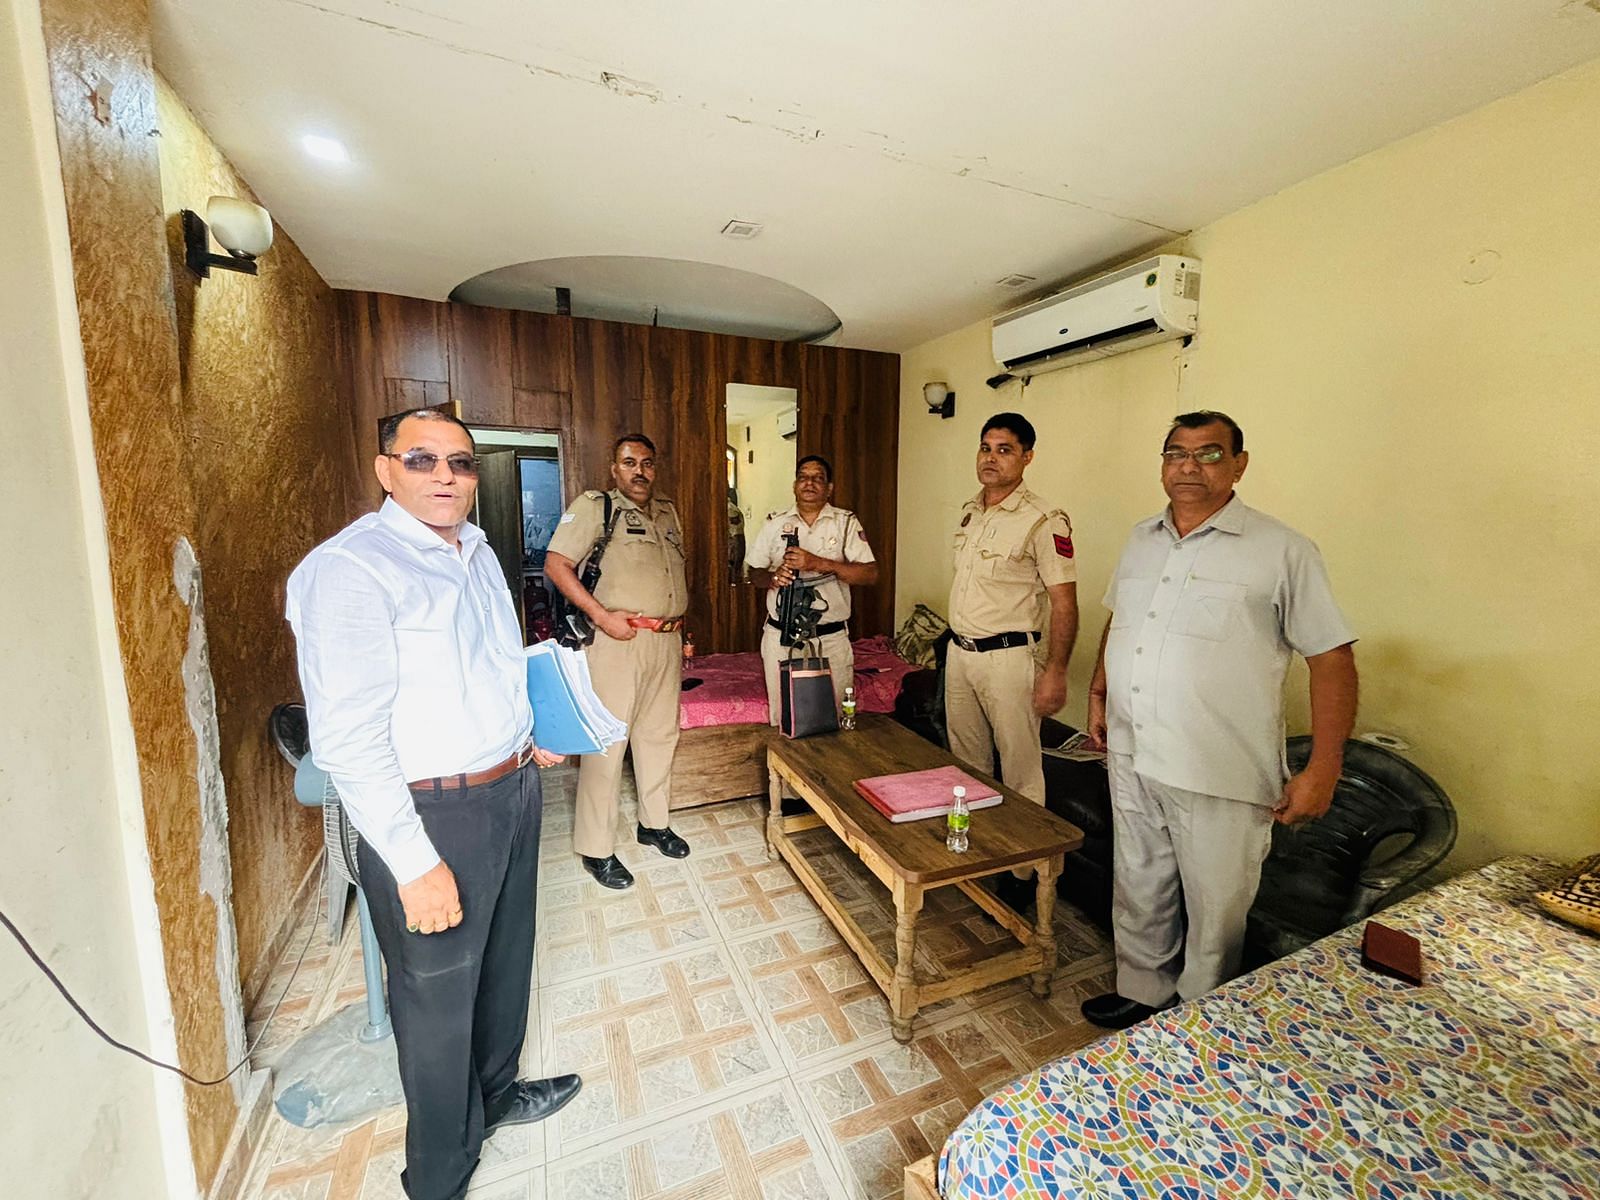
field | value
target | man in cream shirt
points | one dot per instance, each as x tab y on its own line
832	552
412	665
1209	602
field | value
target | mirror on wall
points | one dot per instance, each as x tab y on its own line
760	459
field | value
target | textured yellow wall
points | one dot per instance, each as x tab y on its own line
273	463
1438	437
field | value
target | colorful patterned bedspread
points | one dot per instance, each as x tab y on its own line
733	691
1314	1079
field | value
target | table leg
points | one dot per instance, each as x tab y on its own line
774	810
903	995
1044	933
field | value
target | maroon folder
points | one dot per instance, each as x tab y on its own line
1390	952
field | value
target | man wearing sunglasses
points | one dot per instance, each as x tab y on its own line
1210	601
411	660
636	658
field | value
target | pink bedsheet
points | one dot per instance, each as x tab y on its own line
734	692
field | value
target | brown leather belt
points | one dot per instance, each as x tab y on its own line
466	779
657	624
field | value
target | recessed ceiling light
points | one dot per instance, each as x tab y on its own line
1015	281
741	229
326	148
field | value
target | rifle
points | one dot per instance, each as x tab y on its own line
798	610
573	629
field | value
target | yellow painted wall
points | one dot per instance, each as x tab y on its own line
81	1120
1439	438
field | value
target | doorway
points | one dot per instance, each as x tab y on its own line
520	501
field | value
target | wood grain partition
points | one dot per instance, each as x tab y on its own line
594	380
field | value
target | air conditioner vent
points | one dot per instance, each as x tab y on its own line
744	230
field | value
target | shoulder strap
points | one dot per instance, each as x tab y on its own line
608	520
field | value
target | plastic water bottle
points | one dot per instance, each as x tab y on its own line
847	717
958	822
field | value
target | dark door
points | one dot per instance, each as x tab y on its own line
500	517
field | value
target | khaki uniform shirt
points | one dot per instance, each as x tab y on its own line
1005	558
835	534
1203	628
642	570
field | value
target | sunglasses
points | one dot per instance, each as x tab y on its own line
424	461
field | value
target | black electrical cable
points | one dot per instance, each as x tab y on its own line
27	948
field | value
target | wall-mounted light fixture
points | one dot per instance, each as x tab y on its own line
939	399
241	228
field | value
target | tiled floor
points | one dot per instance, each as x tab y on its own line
730	1043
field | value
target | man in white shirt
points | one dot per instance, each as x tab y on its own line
413	670
832	553
1210	601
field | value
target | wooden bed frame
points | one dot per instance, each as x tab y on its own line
720	762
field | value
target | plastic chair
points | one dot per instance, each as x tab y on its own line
1338	870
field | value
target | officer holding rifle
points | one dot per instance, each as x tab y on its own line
825	549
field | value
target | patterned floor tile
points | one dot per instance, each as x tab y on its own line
748	891
649	1040
757	1145
816	993
889	1104
1035	1031
585	928
528	1185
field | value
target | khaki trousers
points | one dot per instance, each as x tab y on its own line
639	681
988	706
835	648
1186	868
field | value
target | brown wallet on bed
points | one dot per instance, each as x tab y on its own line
1390	952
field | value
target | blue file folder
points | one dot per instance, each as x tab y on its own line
567	716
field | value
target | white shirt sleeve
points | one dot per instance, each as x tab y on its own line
343	620
760	556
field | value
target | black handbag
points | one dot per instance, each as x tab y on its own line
574	630
805	692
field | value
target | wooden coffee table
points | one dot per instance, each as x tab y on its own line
910	859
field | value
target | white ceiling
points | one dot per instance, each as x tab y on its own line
902	154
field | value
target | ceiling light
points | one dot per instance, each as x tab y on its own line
744	230
326	148
1015	281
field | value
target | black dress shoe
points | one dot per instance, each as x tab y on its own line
665	841
1113	1011
529	1100
608	871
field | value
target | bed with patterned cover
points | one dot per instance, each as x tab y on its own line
1314	1078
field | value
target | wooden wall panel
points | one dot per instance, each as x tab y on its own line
541	352
595	380
480	363
849	413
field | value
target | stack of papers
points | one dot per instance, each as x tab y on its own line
914	795
568	717
1076	748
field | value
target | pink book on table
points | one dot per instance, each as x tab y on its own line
917	794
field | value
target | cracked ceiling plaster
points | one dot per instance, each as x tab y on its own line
901	155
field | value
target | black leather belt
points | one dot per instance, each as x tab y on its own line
821	631
1000	641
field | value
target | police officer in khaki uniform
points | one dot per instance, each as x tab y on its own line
1013	561
636	660
833	553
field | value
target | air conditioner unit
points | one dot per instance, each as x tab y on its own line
788	422
1152	301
